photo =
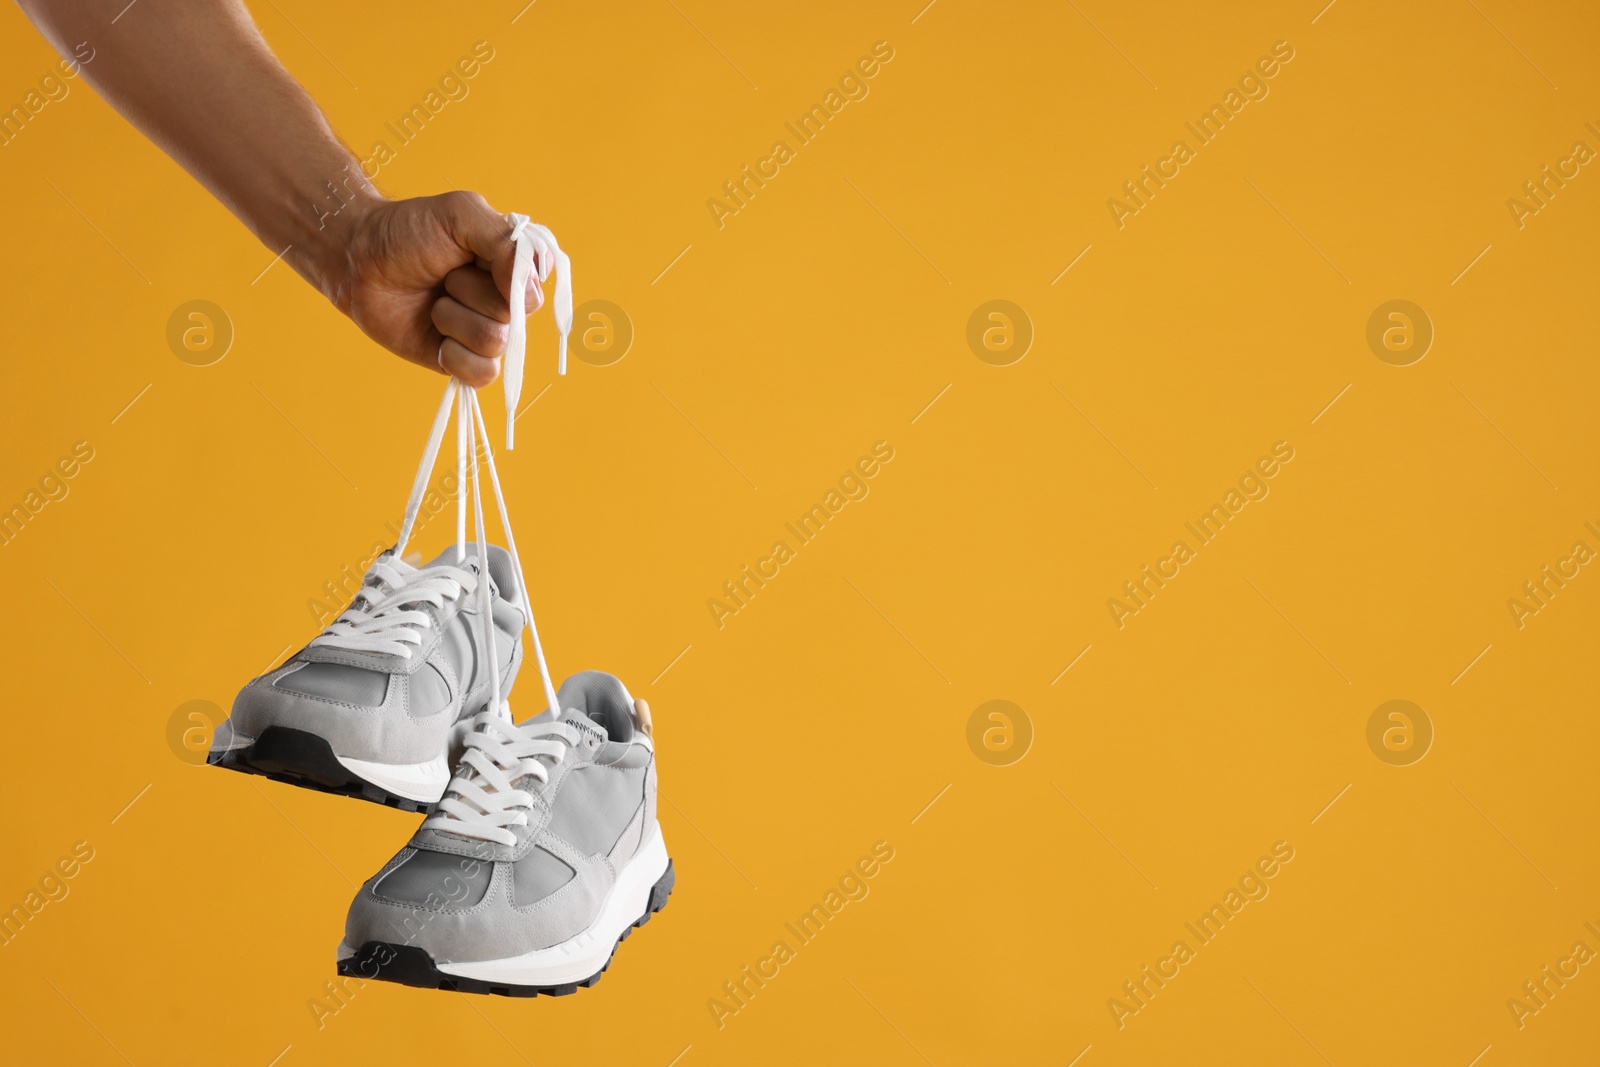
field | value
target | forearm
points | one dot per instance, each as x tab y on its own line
428	277
198	79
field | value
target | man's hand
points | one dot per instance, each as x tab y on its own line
425	278
428	279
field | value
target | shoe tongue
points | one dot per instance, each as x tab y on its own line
601	698
583	722
447	558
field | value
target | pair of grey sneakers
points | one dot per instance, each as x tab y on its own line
541	851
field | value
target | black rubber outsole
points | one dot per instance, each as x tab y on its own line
304	759
413	966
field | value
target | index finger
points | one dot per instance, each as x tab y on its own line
475	226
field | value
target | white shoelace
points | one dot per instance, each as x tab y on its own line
536	247
386	616
483	800
464	399
537	250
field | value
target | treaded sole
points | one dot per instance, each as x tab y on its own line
413	966
297	757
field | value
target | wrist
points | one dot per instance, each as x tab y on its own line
328	220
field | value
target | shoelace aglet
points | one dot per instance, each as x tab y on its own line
561	306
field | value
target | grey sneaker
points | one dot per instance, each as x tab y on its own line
373	706
545	853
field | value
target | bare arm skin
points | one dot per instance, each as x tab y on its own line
426	278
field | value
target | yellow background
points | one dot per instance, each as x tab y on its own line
826	715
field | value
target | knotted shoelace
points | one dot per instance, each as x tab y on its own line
484	800
386	615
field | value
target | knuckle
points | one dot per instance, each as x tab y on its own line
463	200
491	337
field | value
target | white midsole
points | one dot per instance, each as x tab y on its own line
225	740
424	781
414	781
585	953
